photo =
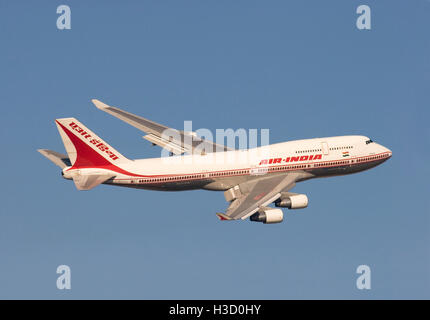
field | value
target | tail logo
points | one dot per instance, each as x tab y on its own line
100	145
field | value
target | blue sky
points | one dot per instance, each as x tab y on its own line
300	68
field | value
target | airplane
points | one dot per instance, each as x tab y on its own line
249	185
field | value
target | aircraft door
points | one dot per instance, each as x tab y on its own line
324	148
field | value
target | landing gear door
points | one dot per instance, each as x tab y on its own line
324	148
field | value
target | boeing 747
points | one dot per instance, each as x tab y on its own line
263	176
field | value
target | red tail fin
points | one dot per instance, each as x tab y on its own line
84	147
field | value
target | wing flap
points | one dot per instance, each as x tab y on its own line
168	145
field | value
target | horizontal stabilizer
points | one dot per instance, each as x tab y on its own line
59	159
89	181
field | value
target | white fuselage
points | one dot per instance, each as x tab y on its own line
222	170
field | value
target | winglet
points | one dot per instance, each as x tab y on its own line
223	217
99	105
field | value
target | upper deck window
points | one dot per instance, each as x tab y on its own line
369	141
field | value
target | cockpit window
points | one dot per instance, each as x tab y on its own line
369	141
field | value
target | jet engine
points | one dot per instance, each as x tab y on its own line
268	215
292	201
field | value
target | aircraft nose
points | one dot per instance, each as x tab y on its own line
381	149
390	153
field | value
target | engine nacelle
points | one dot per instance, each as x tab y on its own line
268	215
292	201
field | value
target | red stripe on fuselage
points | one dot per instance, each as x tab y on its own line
88	158
233	172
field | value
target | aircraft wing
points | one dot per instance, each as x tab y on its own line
173	140
259	193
